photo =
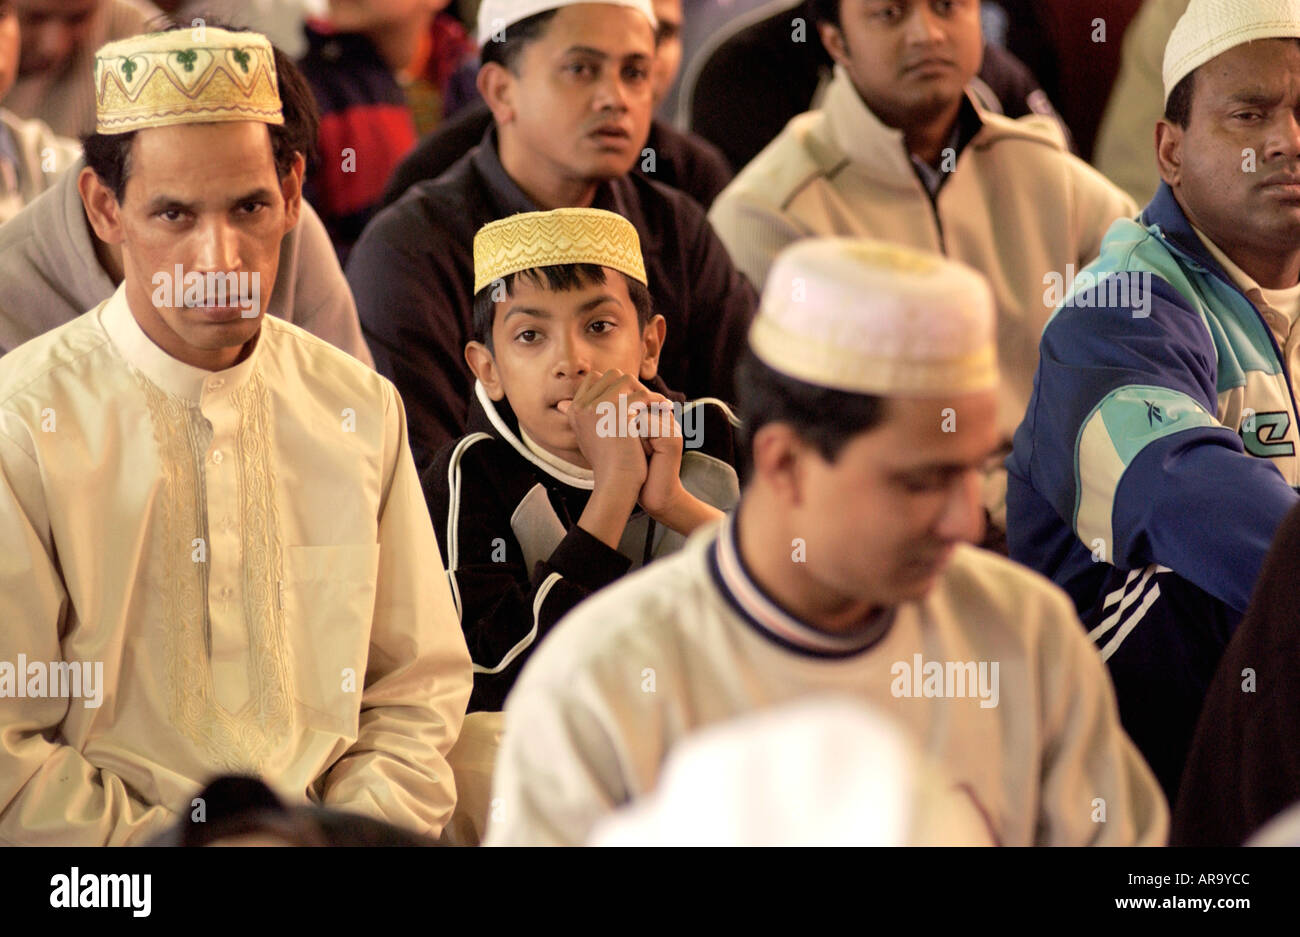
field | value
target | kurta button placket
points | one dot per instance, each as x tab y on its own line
229	629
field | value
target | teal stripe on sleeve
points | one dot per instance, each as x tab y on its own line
1137	415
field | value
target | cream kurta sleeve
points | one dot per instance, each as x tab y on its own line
49	793
418	675
1096	788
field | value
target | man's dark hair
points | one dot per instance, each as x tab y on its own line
559	277
235	806
517	35
1178	109
826	418
109	154
825	11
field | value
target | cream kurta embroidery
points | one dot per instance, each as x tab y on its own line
236	741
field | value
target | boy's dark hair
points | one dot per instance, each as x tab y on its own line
109	154
559	277
825	11
828	419
1178	109
518	35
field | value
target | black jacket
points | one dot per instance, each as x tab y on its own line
507	525
412	274
684	161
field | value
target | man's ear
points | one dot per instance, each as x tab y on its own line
101	207
833	39
1169	152
780	461
652	344
496	84
291	191
480	360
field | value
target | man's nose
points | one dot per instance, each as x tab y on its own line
1286	137
963	513
924	26
611	91
218	249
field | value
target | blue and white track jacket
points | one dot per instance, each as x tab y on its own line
1162	426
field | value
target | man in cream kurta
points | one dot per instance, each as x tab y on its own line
234	558
983	662
247	553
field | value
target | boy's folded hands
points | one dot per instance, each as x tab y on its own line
630	436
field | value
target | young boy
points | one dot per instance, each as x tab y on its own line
579	464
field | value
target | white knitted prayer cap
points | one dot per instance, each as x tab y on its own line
494	16
869	317
823	771
1211	27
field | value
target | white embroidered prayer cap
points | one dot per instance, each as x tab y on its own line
825	771
1211	27
494	16
869	317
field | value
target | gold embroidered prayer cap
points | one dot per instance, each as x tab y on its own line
867	317
185	76
561	236
1208	28
495	16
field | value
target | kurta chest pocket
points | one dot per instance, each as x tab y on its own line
328	594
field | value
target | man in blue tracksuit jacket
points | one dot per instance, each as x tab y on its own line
1157	456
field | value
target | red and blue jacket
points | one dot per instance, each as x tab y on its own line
366	128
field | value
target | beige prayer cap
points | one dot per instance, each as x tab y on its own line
868	317
1211	27
562	236
495	15
185	76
